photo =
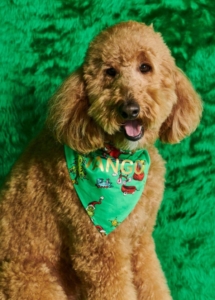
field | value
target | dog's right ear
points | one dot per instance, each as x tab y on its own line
186	113
68	117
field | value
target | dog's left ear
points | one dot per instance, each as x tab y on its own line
186	113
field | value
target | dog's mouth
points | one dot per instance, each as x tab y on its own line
133	130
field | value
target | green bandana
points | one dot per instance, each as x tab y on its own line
109	183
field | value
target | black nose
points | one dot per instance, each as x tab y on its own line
130	110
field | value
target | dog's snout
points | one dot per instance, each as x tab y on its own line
130	110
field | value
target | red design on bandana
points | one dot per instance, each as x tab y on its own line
112	151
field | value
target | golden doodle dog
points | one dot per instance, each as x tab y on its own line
79	207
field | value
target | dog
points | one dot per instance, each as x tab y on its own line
103	121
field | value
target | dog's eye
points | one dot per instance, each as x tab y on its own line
111	72
145	68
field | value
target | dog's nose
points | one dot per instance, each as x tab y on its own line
130	110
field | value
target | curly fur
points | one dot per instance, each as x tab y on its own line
49	247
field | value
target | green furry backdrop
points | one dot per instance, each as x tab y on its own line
41	42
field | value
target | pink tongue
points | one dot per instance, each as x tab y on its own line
132	128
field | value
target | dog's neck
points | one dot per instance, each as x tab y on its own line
123	144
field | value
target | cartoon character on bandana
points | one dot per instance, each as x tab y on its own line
114	222
122	179
138	175
103	183
91	207
101	229
77	169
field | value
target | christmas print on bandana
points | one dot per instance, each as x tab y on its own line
109	183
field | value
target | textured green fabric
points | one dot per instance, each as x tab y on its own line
104	176
41	42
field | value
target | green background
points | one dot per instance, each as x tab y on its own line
41	42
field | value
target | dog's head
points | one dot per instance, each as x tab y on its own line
128	92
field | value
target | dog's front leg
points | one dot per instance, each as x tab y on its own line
104	269
148	275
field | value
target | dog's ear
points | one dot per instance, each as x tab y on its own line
68	116
186	113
